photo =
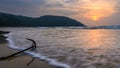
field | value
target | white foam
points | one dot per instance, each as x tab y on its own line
34	54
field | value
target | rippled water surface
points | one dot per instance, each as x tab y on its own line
79	48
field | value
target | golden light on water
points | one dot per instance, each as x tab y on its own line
96	41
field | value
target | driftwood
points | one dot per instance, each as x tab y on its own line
13	55
30	61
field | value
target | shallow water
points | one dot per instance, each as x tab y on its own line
78	48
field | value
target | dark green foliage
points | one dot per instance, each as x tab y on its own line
9	20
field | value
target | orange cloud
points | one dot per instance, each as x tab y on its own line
99	9
89	9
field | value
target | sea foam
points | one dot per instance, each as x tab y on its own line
53	62
76	48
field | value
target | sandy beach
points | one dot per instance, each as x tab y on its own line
21	61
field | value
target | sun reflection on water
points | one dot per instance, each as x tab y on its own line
96	41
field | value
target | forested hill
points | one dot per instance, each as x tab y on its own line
9	20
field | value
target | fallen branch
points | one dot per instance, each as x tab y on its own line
30	61
12	55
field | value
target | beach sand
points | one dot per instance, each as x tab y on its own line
21	61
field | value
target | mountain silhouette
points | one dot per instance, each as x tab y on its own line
10	20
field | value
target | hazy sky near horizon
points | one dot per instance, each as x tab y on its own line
88	12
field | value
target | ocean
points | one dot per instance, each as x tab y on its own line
70	48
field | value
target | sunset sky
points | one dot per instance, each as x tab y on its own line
88	12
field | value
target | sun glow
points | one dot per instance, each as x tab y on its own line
95	18
89	9
98	10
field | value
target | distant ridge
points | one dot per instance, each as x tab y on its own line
9	20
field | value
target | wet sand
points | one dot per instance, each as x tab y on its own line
21	61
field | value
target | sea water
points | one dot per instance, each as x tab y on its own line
70	48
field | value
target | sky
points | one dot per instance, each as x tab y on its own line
88	12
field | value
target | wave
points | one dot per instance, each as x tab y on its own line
70	48
34	54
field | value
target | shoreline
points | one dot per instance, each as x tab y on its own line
18	62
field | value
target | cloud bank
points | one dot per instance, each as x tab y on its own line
79	9
91	9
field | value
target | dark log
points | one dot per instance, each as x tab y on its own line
12	55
